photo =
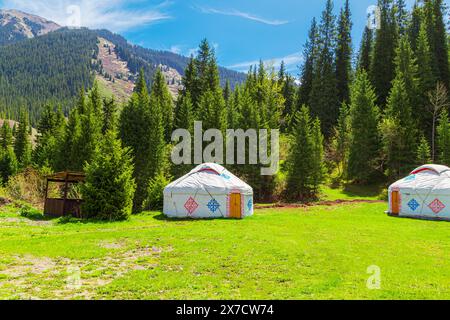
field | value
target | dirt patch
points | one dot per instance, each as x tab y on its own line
315	204
63	278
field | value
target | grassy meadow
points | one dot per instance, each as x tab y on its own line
318	252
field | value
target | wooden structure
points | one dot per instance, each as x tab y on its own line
58	207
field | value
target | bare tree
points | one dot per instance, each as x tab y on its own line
437	102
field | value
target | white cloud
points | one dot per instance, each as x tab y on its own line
291	62
175	49
245	15
110	14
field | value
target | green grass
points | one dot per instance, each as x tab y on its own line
313	253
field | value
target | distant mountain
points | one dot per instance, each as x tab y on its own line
42	62
17	25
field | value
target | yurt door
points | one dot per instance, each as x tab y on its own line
235	206
395	202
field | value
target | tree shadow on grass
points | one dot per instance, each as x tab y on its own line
363	191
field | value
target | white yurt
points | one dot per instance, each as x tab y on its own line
208	191
424	194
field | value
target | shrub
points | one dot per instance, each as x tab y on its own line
155	199
109	188
28	186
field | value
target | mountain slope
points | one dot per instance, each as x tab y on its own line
17	25
40	62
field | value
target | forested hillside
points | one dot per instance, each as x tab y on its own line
50	68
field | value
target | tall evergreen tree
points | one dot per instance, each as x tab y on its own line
303	180
161	95
399	132
344	53
365	52
323	98
382	67
415	25
22	142
142	131
440	43
364	141
8	164
109	115
423	152
307	71
6	135
109	187
443	141
401	16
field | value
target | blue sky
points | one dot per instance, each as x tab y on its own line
241	31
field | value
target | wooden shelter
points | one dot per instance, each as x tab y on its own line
59	207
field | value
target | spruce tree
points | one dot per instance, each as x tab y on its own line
300	163
9	165
440	43
415	25
22	142
399	132
344	53
161	95
307	71
364	141
423	152
6	135
109	187
382	68
109	115
443	141
341	140
401	16
323	98
142	131
365	52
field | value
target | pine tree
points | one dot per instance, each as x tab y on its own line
191	84
307	70
68	157
401	16
184	118
161	95
426	79
318	169
22	142
109	187
323	98
9	165
415	25
399	132
440	43
341	140
6	135
142	131
109	115
382	67
344	53
50	129
423	152
443	141
365	52
406	69
364	141
300	163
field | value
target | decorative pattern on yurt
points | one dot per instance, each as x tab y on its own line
425	194
208	191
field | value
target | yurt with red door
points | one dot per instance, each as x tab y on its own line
424	194
208	191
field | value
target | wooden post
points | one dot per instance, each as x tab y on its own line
66	183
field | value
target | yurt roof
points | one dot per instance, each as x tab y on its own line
208	178
438	169
432	179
